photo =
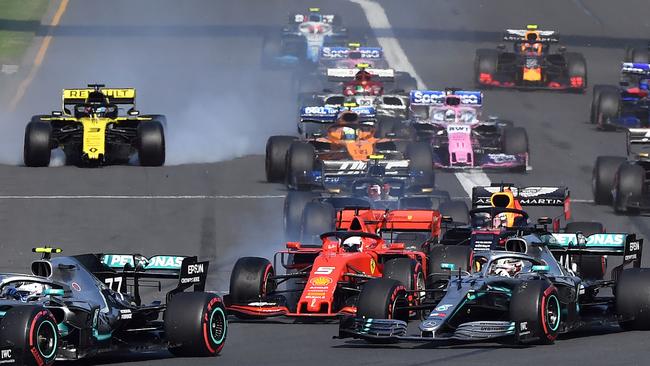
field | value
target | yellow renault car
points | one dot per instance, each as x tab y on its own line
93	129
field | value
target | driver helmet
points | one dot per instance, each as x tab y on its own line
450	115
507	267
348	133
374	192
352	244
500	221
363	75
481	220
358	89
32	288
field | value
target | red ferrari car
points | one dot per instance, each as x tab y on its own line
324	280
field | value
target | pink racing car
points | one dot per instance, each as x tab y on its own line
451	121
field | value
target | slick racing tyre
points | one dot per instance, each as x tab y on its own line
410	274
607	108
381	298
250	280
458	255
300	163
603	176
629	187
576	68
196	324
595	100
641	56
591	267
633	299
32	332
151	143
294	206
37	147
457	210
317	218
276	157
485	64
515	140
535	309
420	158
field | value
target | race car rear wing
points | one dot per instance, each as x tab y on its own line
114	95
341	53
188	270
301	18
626	245
374	167
634	68
327	114
639	138
519	35
348	74
482	196
438	97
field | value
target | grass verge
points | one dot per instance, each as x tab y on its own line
19	21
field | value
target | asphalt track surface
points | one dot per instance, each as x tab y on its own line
198	63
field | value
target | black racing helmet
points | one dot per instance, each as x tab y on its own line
96	97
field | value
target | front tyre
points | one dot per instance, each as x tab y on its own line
535	308
32	333
196	324
151	143
37	149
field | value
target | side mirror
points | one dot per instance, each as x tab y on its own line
57	113
562	49
449	266
544	221
397	246
53	292
447	219
540	268
66	111
133	112
316	134
391	134
501	46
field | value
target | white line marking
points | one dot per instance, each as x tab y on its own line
396	57
135	197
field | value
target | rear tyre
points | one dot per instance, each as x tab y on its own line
276	157
608	106
380	298
32	333
294	206
633	299
420	158
535	307
515	141
457	210
37	149
196	324
576	68
317	218
151	143
300	162
250	280
485	66
603	176
595	100
637	55
591	267
629	186
271	47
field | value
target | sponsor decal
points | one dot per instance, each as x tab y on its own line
604	240
438	315
195	269
444	307
324	270
373	266
6	356
458	129
320	281
429	323
75	286
262	303
126	314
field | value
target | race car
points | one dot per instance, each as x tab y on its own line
520	291
92	131
530	65
321	281
623	181
387	112
75	307
450	121
637	54
344	150
626	105
301	40
308	213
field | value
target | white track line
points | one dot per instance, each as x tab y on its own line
135	197
396	57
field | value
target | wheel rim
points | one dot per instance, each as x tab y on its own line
46	339
218	325
553	312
